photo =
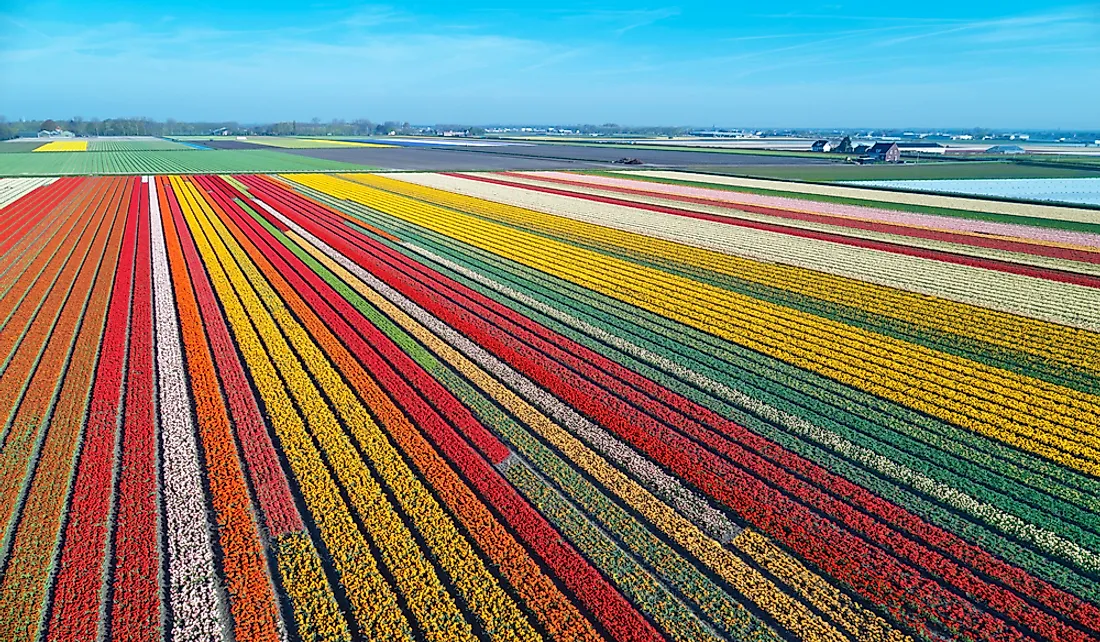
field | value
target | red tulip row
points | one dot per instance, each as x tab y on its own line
76	594
135	588
884	246
607	604
481	326
1005	245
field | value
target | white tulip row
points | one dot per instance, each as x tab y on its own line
884	196
12	189
1057	302
195	599
1007	523
683	500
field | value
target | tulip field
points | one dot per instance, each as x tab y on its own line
517	406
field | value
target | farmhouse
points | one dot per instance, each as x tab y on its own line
843	146
885	152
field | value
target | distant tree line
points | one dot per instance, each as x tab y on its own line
141	126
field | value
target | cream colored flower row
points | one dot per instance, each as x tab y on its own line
12	189
195	600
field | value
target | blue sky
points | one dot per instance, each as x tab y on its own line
909	64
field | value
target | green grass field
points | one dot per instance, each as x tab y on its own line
185	161
18	146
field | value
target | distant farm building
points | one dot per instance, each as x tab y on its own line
56	133
842	146
884	152
1005	149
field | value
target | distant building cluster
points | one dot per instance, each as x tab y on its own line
875	153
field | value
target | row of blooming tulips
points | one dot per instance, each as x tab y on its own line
331	408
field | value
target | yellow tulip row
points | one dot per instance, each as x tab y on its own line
64	146
1043	418
316	615
373	603
1077	347
736	573
454	553
428	600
